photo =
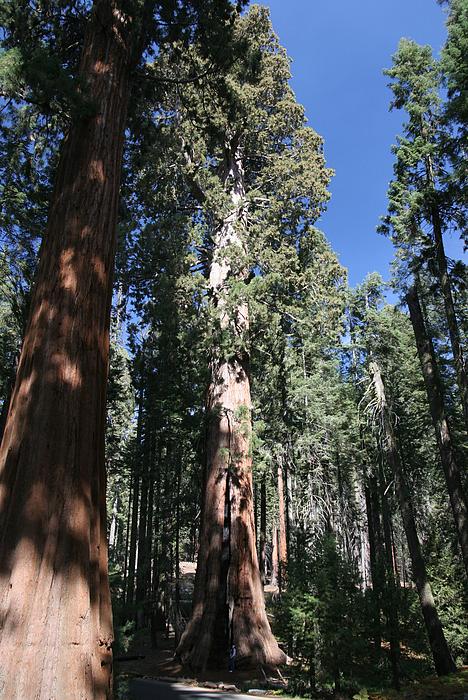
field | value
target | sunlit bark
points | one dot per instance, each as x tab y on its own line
228	605
56	623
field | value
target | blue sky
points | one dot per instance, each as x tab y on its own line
339	49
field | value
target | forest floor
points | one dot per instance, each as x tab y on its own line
453	687
160	664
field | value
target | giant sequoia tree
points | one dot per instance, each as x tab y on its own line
258	177
56	622
238	359
56	616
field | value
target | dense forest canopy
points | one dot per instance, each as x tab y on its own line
187	381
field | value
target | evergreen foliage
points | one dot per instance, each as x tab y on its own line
212	107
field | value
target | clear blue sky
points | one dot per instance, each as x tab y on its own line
339	49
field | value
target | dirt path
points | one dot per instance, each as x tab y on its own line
160	663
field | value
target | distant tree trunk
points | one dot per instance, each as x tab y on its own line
391	594
362	538
127	533
56	617
7	397
435	397
177	614
147	569
372	522
155	619
289	507
443	661
228	602
274	558
263	518
142	530
282	542
113	526
136	467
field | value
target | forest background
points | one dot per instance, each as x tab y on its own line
262	416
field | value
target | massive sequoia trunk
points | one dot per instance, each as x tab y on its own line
55	617
435	397
228	603
443	661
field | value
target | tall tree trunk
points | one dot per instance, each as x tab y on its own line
56	631
113	527
155	564
435	397
177	613
375	570
452	322
228	602
282	542
263	518
443	661
127	534
137	467
390	594
446	289
142	529
149	529
274	558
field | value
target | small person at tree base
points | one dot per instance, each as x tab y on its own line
232	658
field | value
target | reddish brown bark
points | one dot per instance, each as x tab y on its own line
282	540
228	604
56	623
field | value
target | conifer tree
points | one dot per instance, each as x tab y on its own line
258	191
421	207
56	630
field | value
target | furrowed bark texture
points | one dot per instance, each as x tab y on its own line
228	603
55	612
443	661
435	397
